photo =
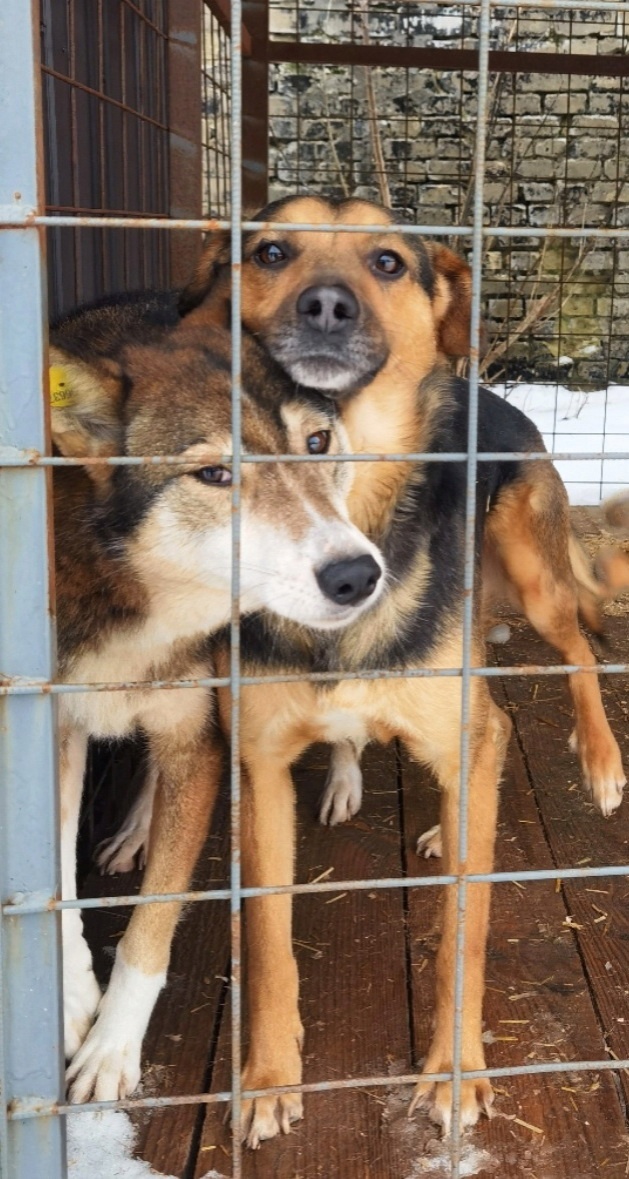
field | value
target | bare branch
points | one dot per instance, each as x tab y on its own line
372	108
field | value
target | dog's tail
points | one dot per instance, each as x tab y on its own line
612	564
592	589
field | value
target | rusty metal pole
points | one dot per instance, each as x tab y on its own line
184	121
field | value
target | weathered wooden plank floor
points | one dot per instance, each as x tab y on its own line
558	973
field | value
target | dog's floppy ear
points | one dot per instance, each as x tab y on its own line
452	302
86	409
215	256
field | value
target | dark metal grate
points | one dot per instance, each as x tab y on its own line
105	95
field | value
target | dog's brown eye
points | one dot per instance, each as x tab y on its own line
318	443
389	263
214	476
269	254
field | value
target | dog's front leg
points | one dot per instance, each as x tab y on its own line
476	1096
276	1032
108	1063
81	992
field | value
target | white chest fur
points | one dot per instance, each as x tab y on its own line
341	724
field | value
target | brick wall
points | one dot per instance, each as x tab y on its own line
557	155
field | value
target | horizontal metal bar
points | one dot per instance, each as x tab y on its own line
545	5
32	1108
25	904
92	211
10	457
16	216
75	84
21	686
408	57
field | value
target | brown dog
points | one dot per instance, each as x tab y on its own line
392	322
367	319
143	575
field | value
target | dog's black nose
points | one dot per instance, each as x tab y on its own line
349	582
328	309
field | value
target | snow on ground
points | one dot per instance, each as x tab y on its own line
100	1146
573	422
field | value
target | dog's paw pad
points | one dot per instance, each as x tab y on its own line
103	1068
603	773
342	797
265	1117
476	1098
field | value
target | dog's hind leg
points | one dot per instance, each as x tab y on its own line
430	844
81	992
343	791
531	531
108	1063
128	848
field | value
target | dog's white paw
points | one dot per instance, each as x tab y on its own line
500	633
126	850
81	992
106	1066
81	996
603	772
343	792
429	844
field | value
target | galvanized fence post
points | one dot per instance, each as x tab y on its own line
29	860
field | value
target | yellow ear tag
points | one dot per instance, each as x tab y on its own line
60	392
60	395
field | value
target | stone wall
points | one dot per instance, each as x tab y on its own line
557	156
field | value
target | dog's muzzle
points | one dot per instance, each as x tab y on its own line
326	340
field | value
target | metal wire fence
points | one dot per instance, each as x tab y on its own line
216	91
32	1134
106	143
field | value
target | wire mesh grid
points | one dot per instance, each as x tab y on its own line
104	92
33	1121
216	114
